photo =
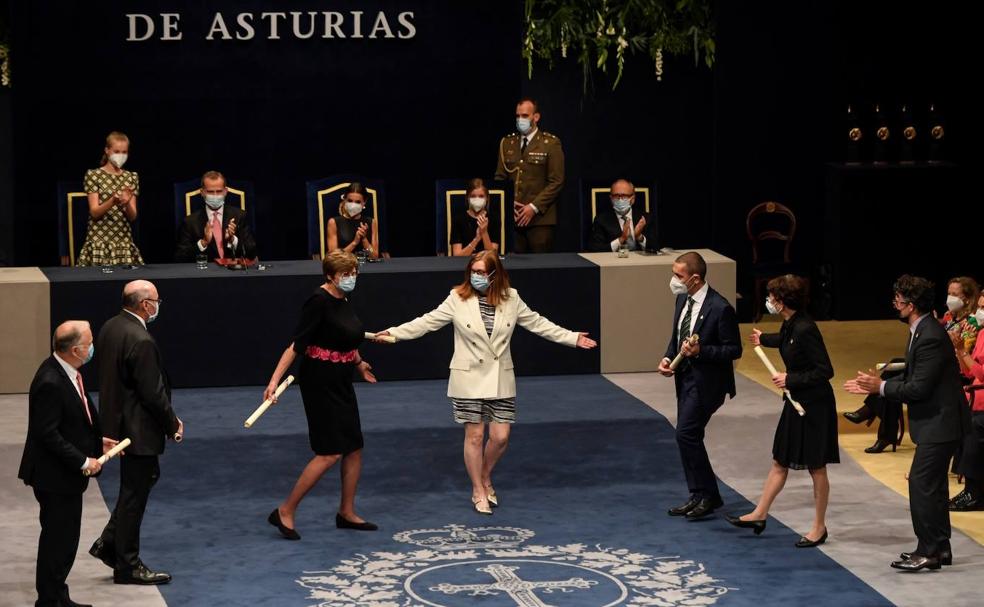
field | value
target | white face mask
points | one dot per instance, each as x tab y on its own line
677	286
353	208
214	201
979	317
953	303
477	203
770	307
157	312
118	160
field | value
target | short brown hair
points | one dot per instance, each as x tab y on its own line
498	278
213	175
695	263
789	290
338	261
915	290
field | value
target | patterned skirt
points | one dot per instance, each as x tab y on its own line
478	410
109	242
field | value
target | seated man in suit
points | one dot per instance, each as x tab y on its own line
218	230
63	441
613	229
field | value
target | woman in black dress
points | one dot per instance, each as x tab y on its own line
474	230
327	340
801	443
354	230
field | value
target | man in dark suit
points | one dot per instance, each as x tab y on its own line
704	377
218	230
938	419
63	442
135	400
622	226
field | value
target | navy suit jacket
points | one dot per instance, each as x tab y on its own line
720	346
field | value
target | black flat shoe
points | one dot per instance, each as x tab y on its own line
104	553
141	576
756	526
805	542
287	532
916	562
880	445
705	507
946	557
685	508
343	523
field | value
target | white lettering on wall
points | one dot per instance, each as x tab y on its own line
405	20
246	30
170	23
148	28
218	27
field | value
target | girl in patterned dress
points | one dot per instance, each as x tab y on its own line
112	194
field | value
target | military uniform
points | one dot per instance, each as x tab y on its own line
538	177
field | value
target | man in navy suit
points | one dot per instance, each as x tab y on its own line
703	378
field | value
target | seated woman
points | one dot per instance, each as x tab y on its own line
961	301
112	194
472	231
354	230
970	460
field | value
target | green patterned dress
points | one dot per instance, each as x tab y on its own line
109	241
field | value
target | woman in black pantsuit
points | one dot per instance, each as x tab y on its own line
327	338
801	443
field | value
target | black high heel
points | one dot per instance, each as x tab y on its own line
862	415
756	526
880	445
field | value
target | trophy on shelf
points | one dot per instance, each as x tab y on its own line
936	134
854	135
907	151
882	137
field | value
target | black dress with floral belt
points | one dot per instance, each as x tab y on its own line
326	339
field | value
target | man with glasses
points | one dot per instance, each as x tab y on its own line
938	419
134	403
622	226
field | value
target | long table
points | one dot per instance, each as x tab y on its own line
223	328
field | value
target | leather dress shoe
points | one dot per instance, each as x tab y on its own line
142	576
946	557
917	562
287	532
343	523
67	602
104	553
756	526
685	508
965	502
805	542
705	507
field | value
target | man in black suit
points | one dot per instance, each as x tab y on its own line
614	229
135	400
703	378
218	230
938	419
63	442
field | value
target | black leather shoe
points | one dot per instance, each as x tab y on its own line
880	445
287	532
104	553
67	602
946	557
805	542
917	562
343	523
140	575
965	502
705	507
685	508
756	526
862	415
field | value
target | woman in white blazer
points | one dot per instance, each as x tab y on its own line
484	311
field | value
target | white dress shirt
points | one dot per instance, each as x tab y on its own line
698	298
631	241
73	375
210	216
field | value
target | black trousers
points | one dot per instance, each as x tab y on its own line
889	415
929	495
533	239
693	416
970	456
138	475
61	523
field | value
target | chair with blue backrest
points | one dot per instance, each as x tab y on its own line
595	198
323	199
188	199
452	199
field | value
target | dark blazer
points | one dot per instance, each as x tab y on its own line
134	394
720	345
59	435
193	229
808	368
931	387
605	228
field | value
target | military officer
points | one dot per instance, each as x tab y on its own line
534	161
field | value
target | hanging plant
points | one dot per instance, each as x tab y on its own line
4	65
600	32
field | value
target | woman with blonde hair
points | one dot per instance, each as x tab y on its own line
474	230
485	311
354	230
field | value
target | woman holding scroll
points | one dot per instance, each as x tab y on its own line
801	442
327	340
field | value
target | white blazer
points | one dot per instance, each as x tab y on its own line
482	366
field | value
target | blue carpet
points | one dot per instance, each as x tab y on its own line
584	488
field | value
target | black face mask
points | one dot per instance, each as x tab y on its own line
903	318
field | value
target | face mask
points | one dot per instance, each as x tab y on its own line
118	160
770	307
523	125
157	312
91	352
480	282
953	303
621	205
903	317
476	204
215	201
353	208
346	284
677	286
979	317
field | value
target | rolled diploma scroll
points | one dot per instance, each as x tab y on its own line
266	404
694	340
105	457
387	338
768	365
890	366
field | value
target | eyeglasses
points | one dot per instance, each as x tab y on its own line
898	304
349	274
156	301
480	272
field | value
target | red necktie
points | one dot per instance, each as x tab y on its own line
85	401
217	234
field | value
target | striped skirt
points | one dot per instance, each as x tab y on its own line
478	410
